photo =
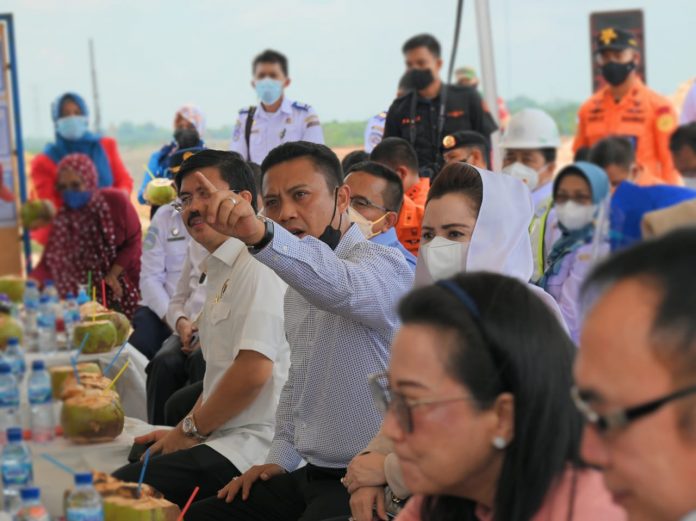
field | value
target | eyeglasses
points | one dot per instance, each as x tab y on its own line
182	202
387	399
359	203
620	418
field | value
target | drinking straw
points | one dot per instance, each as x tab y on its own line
118	353
89	282
147	169
73	359
104	293
188	504
142	472
57	463
118	375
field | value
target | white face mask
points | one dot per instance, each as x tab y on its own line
363	223
690	182
574	216
524	173
443	258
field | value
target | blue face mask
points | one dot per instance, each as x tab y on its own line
269	90
72	128
76	200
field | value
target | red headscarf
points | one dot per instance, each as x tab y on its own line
84	240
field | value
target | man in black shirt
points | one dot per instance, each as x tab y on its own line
418	116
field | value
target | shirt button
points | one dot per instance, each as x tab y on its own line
285	249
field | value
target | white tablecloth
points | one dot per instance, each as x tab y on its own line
103	457
130	386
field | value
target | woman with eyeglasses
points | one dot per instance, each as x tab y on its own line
478	407
475	220
579	190
96	230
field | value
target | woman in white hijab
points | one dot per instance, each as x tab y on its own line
474	220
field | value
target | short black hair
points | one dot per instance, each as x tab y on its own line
256	169
353	158
667	265
270	56
582	154
549	154
395	152
393	194
322	156
684	136
423	40
232	167
458	178
613	150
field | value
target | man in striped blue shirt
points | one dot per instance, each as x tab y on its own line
340	317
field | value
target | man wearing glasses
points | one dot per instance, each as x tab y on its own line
636	377
376	198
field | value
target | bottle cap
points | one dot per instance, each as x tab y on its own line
83	478
14	434
38	365
48	283
70	295
44	299
30	283
13	341
30	493
5	368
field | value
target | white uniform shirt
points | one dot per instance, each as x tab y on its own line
164	251
293	121
688	113
189	295
243	311
374	131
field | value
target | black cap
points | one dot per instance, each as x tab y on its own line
463	138
178	157
615	39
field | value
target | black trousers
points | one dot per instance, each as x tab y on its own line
307	494
181	402
178	473
149	331
168	371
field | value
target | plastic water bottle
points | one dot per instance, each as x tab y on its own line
31	292
14	357
82	296
71	316
17	471
47	325
84	503
32	509
43	424
51	291
9	400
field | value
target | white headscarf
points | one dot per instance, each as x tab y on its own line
500	242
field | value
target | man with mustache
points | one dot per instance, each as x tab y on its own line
340	317
242	339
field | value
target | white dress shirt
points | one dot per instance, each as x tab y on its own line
374	131
293	121
164	251
243	311
187	300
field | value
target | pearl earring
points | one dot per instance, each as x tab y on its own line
499	442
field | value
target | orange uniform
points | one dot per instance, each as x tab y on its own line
643	116
408	227
418	193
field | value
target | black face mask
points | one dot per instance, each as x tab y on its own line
332	236
186	137
616	73
419	79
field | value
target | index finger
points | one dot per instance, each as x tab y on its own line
205	182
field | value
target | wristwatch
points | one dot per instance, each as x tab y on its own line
267	236
188	426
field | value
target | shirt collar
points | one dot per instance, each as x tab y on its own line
285	108
385	239
352	237
229	250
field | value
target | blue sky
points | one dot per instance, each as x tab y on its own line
154	55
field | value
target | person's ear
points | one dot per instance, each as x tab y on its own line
286	84
342	199
253	84
402	172
504	410
636	58
390	221
477	159
246	195
438	64
634	172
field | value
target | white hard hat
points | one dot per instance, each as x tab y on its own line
531	128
